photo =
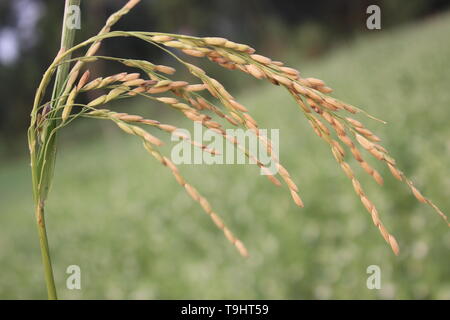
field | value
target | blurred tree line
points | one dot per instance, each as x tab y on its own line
30	32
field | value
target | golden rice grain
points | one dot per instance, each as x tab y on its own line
196	87
165	69
154	90
83	80
135	82
175	44
281	79
236	105
97	101
69	104
161	38
315	82
261	59
194	53
255	71
215	41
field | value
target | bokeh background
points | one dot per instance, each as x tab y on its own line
134	232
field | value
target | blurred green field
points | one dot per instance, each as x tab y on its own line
121	217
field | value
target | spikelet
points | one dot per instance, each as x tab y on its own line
83	80
69	104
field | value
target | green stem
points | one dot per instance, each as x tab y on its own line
67	39
45	252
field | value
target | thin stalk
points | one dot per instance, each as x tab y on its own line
45	252
67	39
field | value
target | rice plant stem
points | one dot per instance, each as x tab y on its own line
45	252
67	39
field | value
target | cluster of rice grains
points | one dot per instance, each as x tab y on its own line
200	102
